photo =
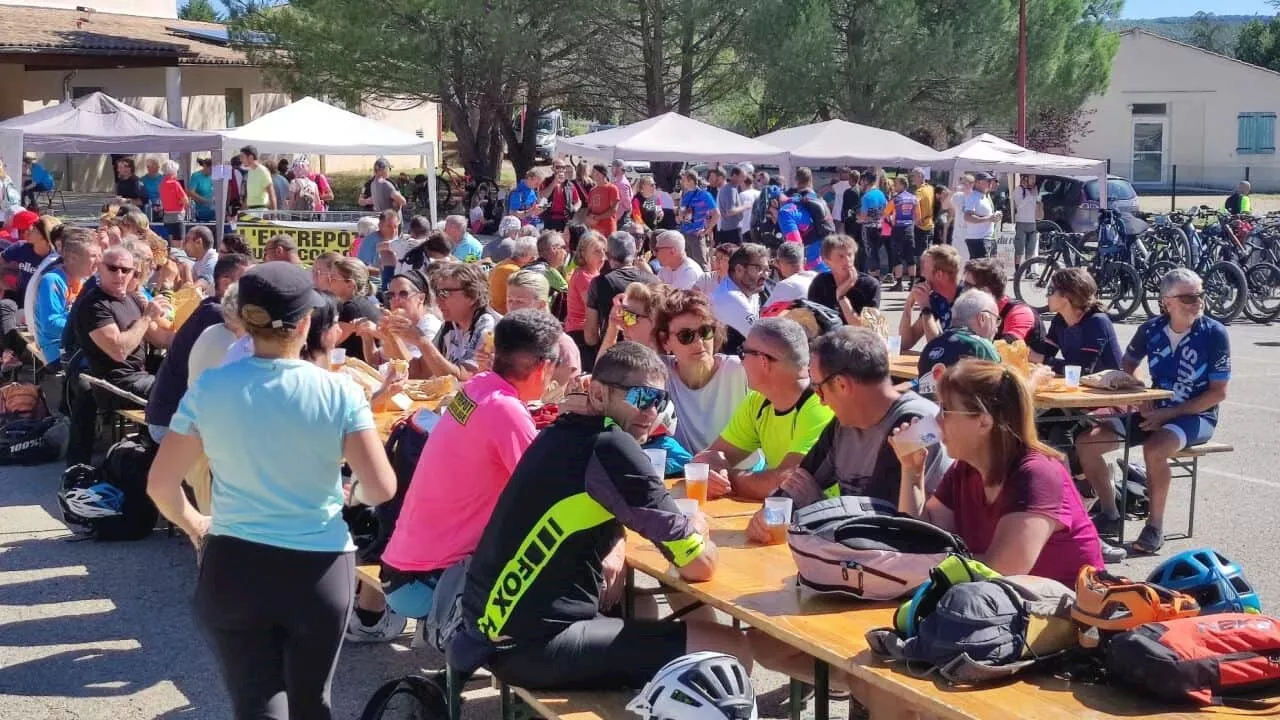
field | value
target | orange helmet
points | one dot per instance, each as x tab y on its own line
1107	603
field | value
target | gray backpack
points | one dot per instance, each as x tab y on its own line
445	617
862	546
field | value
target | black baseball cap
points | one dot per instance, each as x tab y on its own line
983	175
282	289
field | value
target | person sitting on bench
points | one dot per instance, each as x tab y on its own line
551	559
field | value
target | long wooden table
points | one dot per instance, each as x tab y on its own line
724	507
756	585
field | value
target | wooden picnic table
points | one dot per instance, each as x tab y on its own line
756	585
724	507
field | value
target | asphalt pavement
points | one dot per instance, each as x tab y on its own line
98	630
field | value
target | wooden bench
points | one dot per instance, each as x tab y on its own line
370	575
558	705
137	417
1186	464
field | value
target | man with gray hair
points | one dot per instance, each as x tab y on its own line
974	321
620	257
736	301
465	247
788	259
676	268
781	417
524	250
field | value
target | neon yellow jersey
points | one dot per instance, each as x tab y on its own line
757	425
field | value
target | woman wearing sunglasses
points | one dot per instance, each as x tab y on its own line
1081	330
1007	495
1188	354
705	385
632	317
413	315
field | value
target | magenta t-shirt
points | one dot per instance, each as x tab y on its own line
1039	485
464	467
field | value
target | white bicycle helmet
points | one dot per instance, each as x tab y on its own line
699	686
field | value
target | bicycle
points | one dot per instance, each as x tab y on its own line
1119	284
1253	245
450	183
1226	288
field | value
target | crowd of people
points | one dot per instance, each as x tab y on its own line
680	328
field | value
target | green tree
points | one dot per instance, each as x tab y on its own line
201	10
1208	33
1257	43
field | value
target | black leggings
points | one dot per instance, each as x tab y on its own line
977	248
275	618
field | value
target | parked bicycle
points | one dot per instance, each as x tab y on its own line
1226	288
454	187
1119	284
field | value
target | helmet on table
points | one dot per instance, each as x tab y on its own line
1214	581
698	686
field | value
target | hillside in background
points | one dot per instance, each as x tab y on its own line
1182	28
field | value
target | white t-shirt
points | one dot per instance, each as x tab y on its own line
707	283
733	308
749	197
959	227
1024	205
837	205
429	325
793	288
684	277
210	350
665	201
240	350
704	413
978	203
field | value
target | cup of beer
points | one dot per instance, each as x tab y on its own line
895	345
695	481
1072	375
337	359
777	518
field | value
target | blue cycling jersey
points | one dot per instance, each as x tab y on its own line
941	307
793	218
1202	356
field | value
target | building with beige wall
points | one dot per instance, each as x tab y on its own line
1174	108
138	52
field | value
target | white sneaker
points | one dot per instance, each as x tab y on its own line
389	627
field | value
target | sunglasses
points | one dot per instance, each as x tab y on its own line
631	317
401	294
117	269
688	335
759	354
444	293
819	386
1189	298
643	397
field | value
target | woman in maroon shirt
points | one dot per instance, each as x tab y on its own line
1008	496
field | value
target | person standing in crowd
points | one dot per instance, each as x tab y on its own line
699	215
736	301
171	379
1018	320
1027	211
523	252
276	639
704	384
58	287
960	226
151	182
11	196
1238	201
781	416
794	280
1007	495
1080	330
280	183
927	204
933	297
728	202
200	191
522	201
748	193
843	288
621	253
128	186
675	268
172	198
669	220
561	195
553	634
871	210
382	191
982	221
906	215
603	202
582	179
646	207
36	180
837	188
618	177
442	520
1186	353
259	192
350	283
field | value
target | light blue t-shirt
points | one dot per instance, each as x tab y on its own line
469	250
273	431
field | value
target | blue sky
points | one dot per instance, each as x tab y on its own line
1175	8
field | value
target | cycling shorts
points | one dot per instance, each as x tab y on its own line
1190	430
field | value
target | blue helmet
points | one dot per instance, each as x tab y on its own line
1215	582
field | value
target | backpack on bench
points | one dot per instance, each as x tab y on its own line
861	546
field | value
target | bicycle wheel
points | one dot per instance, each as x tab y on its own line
1168	242
1031	281
1263	303
1225	291
1151	286
1120	289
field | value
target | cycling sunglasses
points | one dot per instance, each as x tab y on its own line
643	397
687	336
631	317
1189	298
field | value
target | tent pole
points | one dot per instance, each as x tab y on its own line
219	200
431	184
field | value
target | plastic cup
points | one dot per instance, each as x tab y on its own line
695	481
919	435
658	461
688	506
1072	375
777	518
895	345
337	358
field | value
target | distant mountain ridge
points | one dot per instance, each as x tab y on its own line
1180	28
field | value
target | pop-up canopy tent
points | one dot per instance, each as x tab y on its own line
311	126
96	124
990	153
670	138
840	142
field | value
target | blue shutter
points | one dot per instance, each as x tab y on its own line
1256	133
1266	133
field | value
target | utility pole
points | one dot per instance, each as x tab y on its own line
1022	73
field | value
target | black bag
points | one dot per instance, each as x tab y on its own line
33	442
126	467
411	697
822	224
372	527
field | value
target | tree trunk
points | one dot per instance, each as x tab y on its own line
667	175
684	104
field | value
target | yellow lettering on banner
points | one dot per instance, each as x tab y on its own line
312	241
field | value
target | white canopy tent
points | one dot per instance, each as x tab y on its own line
670	138
840	142
992	154
312	126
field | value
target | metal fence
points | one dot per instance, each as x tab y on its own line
1192	179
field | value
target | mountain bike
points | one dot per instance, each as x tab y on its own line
1119	284
1226	289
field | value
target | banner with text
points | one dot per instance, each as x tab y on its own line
312	238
